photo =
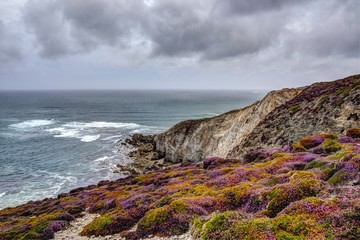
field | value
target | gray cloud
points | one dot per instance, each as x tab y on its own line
108	21
333	29
208	30
46	21
247	7
178	29
75	26
9	47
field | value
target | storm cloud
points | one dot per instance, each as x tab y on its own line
132	43
330	29
8	50
210	30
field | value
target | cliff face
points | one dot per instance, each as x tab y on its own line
195	140
320	108
281	117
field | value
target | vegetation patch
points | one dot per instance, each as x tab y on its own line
295	193
294	108
331	146
353	133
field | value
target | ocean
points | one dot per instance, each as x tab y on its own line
54	141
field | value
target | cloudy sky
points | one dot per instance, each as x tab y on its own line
181	44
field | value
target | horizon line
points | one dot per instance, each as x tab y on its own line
128	89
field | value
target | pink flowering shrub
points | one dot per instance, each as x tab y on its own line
305	191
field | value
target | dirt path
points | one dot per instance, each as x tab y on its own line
77	226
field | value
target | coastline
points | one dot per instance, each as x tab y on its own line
192	196
262	190
47	150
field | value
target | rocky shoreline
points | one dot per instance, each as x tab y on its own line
281	117
144	155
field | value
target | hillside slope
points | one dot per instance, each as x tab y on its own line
309	190
321	107
279	118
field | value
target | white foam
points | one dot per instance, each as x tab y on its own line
64	132
102	159
33	123
90	131
60	181
89	138
83	125
70	179
135	131
2	194
51	185
112	137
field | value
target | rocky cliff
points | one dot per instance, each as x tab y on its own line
322	107
280	118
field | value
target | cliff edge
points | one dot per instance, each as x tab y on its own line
321	107
194	140
278	119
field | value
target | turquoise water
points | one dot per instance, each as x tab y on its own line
54	141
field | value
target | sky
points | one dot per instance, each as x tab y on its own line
176	44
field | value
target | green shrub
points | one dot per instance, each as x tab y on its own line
331	146
217	226
294	108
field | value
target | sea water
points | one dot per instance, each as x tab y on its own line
54	141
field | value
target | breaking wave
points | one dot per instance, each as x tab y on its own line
91	131
33	123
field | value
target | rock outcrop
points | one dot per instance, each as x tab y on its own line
195	140
279	118
321	107
143	153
